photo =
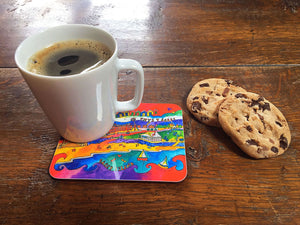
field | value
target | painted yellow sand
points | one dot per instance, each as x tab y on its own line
73	150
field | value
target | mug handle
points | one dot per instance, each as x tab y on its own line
130	64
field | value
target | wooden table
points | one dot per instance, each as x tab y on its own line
254	43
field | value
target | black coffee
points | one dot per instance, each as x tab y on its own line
69	57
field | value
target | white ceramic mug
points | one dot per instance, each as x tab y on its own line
81	107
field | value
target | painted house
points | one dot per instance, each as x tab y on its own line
155	137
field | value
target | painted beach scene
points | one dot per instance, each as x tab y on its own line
146	144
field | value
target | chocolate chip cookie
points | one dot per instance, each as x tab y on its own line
255	125
206	96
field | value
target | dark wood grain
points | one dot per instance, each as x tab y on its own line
223	185
169	33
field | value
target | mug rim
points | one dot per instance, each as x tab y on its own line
24	69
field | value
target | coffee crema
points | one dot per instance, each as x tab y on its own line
69	57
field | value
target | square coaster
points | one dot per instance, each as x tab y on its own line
146	144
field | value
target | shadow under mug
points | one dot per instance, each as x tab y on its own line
81	107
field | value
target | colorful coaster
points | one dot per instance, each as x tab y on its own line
146	144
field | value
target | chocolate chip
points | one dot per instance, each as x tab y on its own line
261	118
265	106
247	117
229	82
225	92
252	142
249	128
218	94
204	85
253	103
260	99
196	106
278	123
283	142
240	95
205	99
256	102
274	149
195	98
